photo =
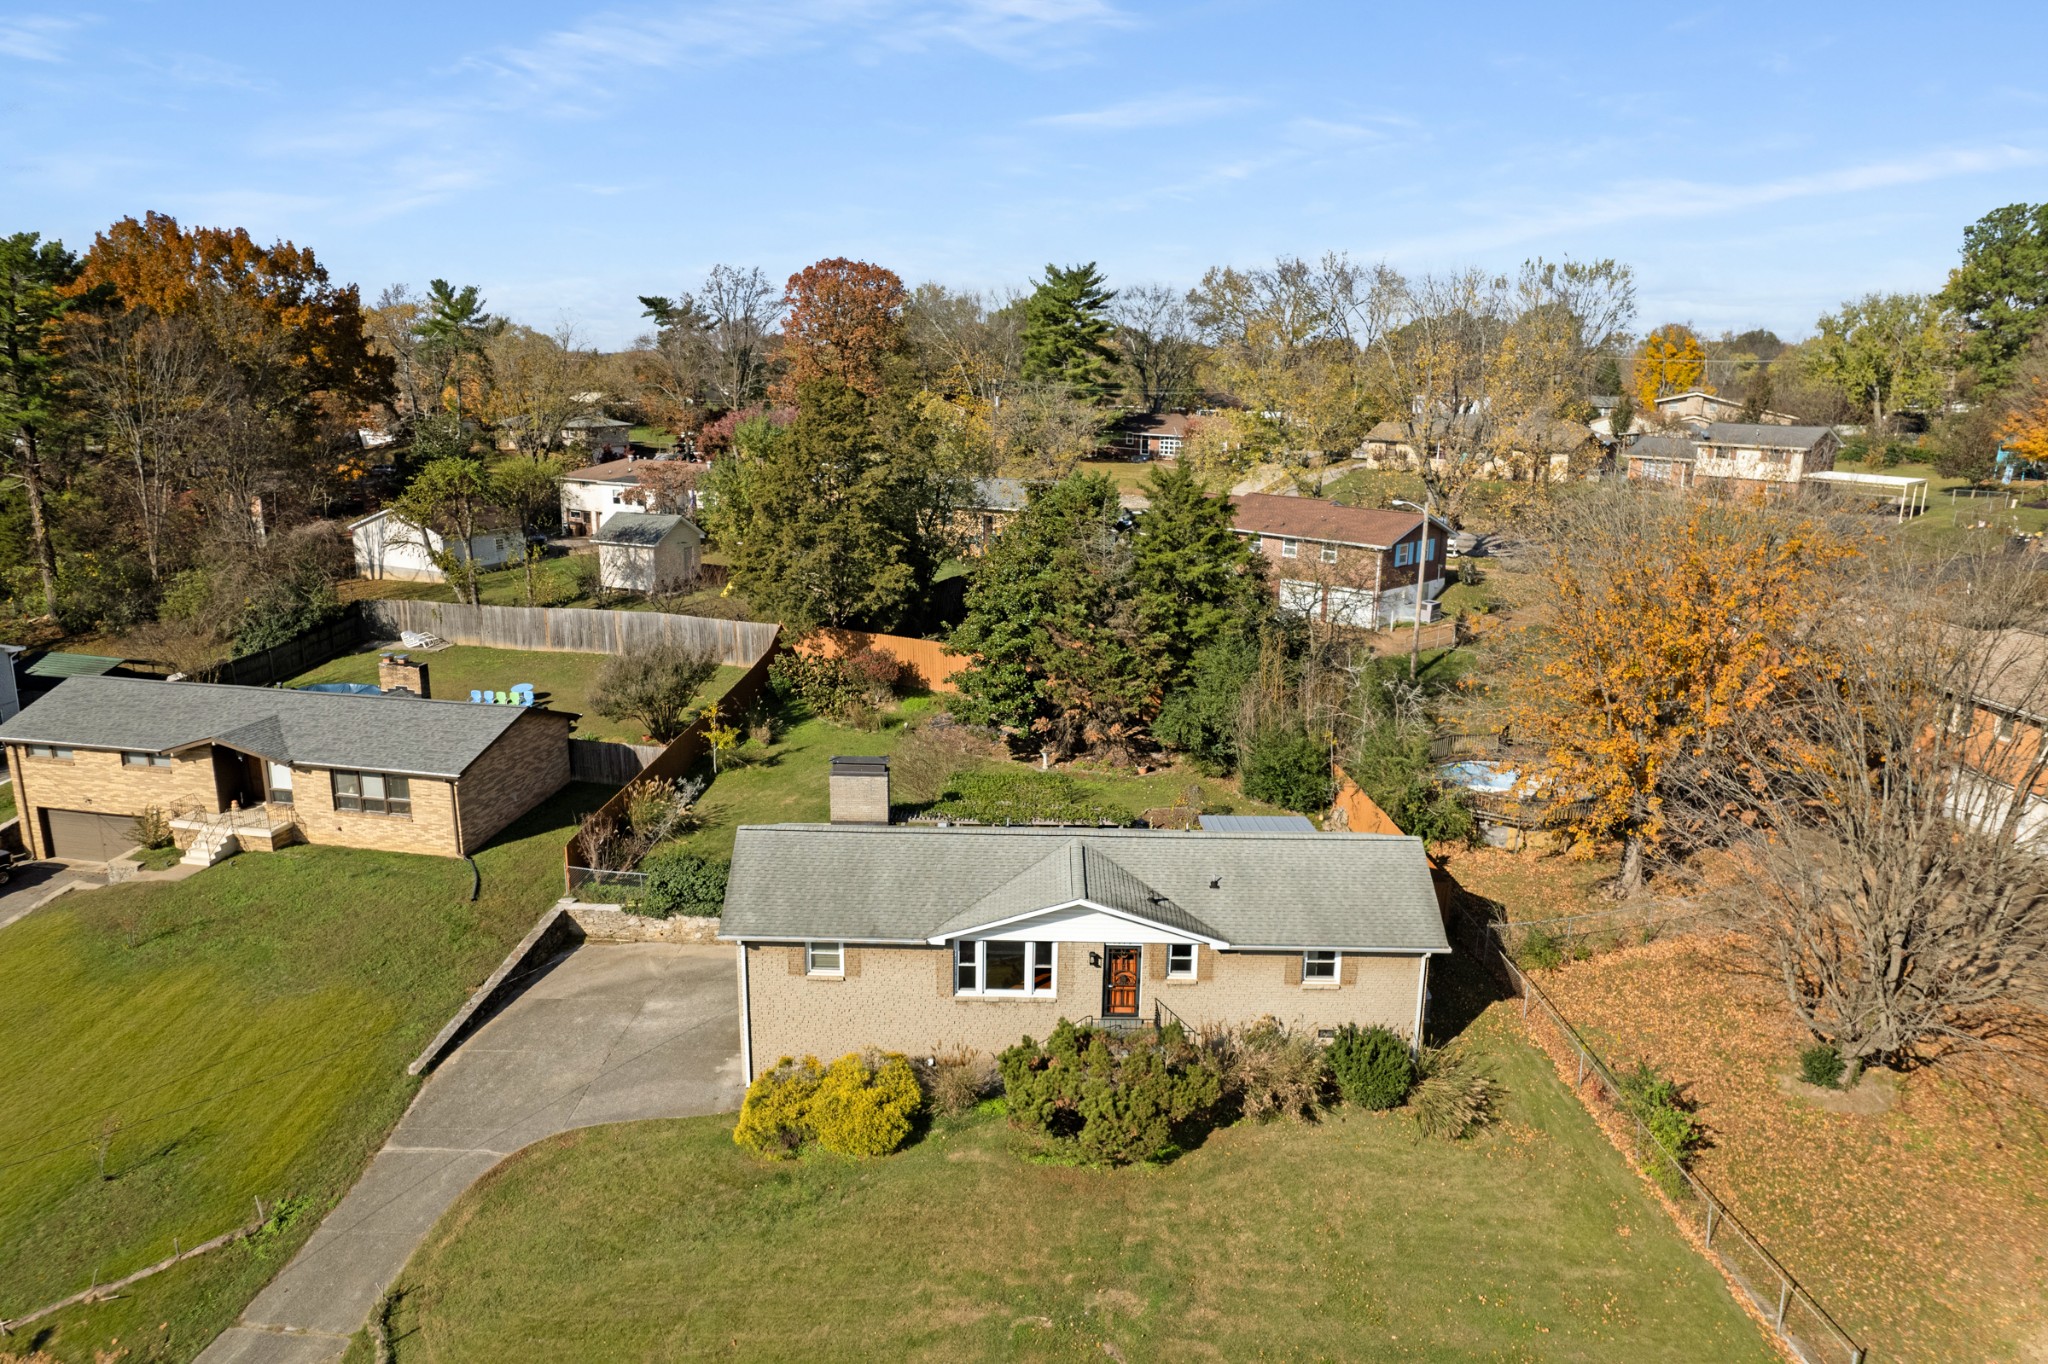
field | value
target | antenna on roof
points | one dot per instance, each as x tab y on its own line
1215	883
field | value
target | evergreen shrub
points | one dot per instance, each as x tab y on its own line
1110	1099
1372	1066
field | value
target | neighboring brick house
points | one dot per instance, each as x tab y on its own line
920	939
990	504
1149	435
2002	731
1663	459
1346	565
266	766
1762	458
1699	409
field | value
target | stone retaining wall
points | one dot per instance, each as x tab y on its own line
609	923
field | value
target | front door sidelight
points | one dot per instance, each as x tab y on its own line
1120	982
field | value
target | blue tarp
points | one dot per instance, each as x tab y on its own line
346	688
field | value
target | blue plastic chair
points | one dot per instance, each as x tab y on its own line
522	693
476	697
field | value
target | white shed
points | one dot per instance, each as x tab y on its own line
642	552
389	546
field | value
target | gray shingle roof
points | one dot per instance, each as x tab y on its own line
1665	447
310	729
1782	437
638	528
998	494
897	883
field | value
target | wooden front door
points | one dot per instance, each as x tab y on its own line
1120	982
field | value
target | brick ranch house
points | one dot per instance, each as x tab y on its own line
920	939
259	767
1345	565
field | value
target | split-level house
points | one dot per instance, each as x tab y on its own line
1351	566
1742	457
252	768
920	939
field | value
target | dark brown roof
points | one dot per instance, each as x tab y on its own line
623	470
1314	518
1154	423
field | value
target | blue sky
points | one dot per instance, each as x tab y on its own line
1755	163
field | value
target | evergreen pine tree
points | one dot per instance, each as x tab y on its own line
1066	332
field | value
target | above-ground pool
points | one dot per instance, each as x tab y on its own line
1477	775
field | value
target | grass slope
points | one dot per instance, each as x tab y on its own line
240	1034
1355	1239
563	680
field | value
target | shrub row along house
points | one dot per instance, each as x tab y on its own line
1351	566
256	767
860	933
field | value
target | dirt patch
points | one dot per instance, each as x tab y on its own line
1873	1094
1118	1300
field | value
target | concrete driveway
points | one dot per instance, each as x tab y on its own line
31	885
610	1033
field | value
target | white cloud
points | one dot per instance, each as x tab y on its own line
1151	111
1678	199
35	37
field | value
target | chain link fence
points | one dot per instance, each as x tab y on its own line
1801	1323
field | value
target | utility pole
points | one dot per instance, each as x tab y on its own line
1421	568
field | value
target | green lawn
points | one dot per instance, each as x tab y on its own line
786	782
1129	475
7	811
1953	525
1352	1240
557	584
561	680
241	1034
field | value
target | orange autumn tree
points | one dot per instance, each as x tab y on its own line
2025	428
1674	625
1670	360
297	342
844	317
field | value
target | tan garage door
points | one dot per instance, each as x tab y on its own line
82	836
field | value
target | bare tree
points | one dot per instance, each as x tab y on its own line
155	387
966	344
1888	823
538	382
1156	339
711	347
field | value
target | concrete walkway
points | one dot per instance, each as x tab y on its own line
611	1033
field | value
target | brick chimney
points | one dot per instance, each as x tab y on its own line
860	790
397	672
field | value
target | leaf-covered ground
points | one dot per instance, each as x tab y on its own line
1923	1228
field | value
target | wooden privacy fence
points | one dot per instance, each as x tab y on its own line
302	653
933	663
678	759
571	629
612	764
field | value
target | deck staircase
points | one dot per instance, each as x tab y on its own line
211	842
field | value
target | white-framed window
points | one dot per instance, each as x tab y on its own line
824	959
281	783
1958	718
2005	729
145	759
1290	548
1005	968
50	752
372	793
1180	960
1319	967
1403	555
1328	554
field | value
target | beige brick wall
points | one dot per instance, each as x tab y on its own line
101	783
529	763
430	828
901	999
